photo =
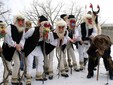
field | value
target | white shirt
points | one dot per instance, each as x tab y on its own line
94	33
55	42
8	37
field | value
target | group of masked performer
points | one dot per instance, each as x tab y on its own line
42	43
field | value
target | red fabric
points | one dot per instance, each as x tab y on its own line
98	6
91	5
72	23
47	25
89	21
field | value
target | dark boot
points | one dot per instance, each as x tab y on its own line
90	75
64	74
111	75
50	76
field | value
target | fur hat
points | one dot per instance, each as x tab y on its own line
87	16
2	23
17	17
85	19
28	24
42	18
102	41
61	23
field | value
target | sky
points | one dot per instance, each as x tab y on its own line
105	6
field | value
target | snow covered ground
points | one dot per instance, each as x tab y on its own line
76	78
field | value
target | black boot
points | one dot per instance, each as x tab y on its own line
50	77
90	75
111	75
17	83
65	75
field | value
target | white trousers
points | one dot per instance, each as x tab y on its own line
71	54
49	61
15	68
60	56
39	60
82	50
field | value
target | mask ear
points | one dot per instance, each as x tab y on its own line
98	9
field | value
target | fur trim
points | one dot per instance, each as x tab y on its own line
102	42
28	24
17	17
20	29
87	16
61	23
86	21
2	23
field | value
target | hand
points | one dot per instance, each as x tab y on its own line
100	52
74	39
45	37
91	37
81	42
18	47
71	40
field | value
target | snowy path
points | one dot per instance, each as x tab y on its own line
77	78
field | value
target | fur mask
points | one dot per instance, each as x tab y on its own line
61	28
102	43
88	20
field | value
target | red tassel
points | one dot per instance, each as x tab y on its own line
98	6
91	5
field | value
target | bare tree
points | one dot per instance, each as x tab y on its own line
47	9
75	10
4	13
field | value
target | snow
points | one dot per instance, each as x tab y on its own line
76	78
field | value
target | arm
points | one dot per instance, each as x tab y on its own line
94	33
79	33
8	38
26	35
92	51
